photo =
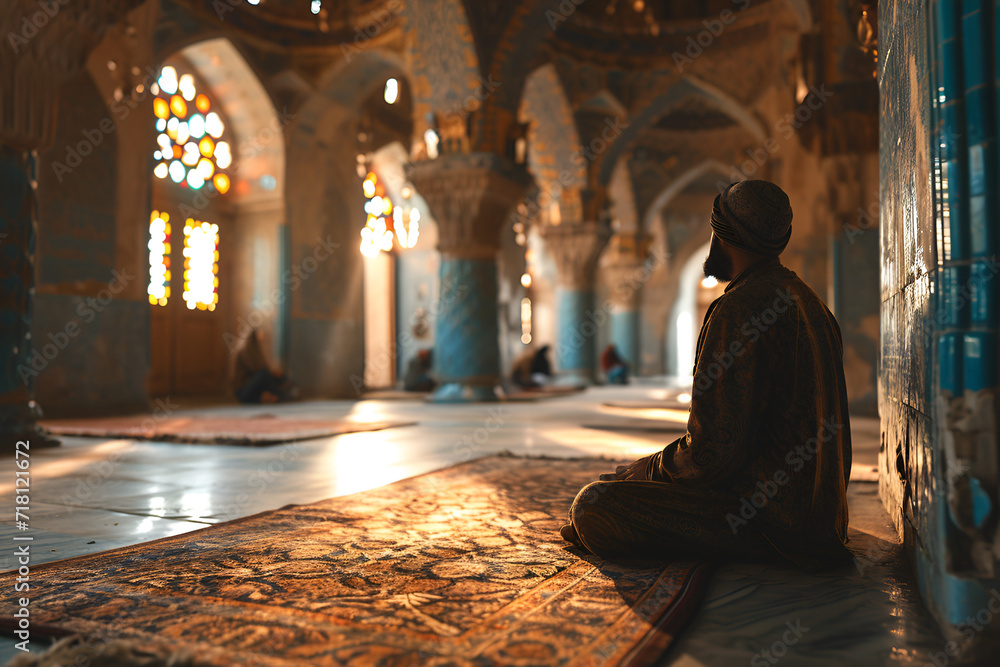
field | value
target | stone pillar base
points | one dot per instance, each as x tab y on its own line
455	392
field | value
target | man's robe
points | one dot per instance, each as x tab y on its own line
769	432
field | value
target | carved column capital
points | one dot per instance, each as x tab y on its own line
623	263
470	195
575	249
46	44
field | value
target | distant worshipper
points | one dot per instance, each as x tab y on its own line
614	367
253	380
532	369
763	469
418	372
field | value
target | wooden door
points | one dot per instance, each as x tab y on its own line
188	352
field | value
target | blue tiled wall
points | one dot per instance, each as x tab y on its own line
938	375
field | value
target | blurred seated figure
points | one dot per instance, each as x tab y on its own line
532	369
614	366
418	372
253	380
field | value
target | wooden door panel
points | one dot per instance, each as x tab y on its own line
197	343
161	352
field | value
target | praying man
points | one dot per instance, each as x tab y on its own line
762	472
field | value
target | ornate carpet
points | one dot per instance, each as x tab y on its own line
463	566
252	431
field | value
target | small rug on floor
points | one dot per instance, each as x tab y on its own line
648	405
394	395
463	566
641	426
542	392
250	431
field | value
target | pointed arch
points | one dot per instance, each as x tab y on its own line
662	104
257	127
552	136
678	185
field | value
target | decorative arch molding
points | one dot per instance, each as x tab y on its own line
325	205
679	185
604	101
552	134
689	86
442	58
257	127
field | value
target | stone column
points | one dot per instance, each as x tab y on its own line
470	196
623	267
18	410
575	249
42	49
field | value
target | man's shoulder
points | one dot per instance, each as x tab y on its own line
771	285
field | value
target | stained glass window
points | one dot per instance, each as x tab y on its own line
159	258
376	235
384	218
191	147
201	265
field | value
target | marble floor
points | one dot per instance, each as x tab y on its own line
95	494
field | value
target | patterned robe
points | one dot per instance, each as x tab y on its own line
766	459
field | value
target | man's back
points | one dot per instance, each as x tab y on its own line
769	419
764	465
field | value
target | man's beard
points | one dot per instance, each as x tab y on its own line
718	265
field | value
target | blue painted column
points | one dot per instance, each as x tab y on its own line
470	196
575	249
625	336
627	267
17	249
577	328
467	352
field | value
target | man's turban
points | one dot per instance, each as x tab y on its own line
754	216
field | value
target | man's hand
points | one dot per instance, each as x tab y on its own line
637	470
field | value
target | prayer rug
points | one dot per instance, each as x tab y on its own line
394	395
462	567
251	431
641	426
542	392
648	405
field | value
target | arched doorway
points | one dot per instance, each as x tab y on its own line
677	296
216	225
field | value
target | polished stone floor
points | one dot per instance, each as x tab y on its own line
95	494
